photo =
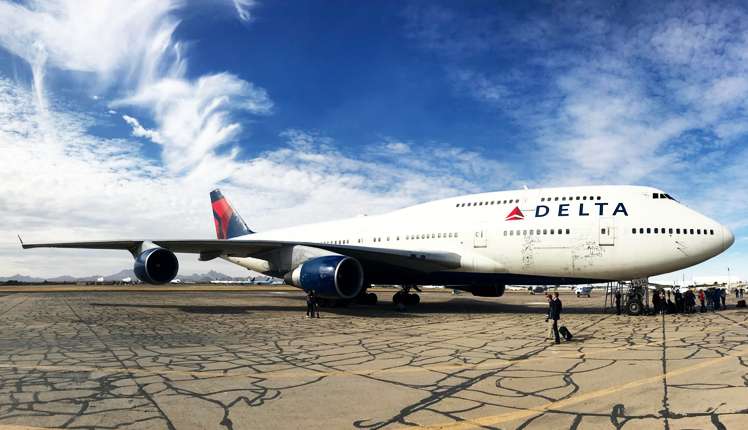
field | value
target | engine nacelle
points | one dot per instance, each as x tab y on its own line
330	276
156	266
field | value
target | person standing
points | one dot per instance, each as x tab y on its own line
549	332
618	302
555	314
723	297
663	303
678	301
701	300
310	304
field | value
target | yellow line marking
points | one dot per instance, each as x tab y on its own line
532	411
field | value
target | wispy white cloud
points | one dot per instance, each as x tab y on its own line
194	117
243	9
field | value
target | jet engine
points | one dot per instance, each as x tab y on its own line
156	266
330	277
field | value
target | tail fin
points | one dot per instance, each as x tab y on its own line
228	223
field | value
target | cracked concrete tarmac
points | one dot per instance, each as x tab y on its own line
250	360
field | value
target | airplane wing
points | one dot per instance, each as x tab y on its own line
426	261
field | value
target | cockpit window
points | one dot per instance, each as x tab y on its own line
663	196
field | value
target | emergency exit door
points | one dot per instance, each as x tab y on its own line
480	238
607	232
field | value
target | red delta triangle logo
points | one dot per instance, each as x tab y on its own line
515	215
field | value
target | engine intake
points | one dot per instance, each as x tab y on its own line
156	266
331	276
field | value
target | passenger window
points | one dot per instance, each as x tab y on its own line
504	233
556	199
641	231
531	231
691	231
568	231
677	231
698	231
711	232
649	230
551	231
584	197
511	232
670	231
577	198
656	230
524	232
537	232
633	230
599	198
542	199
563	199
602	230
545	231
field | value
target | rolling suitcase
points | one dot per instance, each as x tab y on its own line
741	303
563	331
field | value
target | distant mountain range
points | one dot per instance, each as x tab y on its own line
195	277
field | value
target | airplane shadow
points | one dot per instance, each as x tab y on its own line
384	309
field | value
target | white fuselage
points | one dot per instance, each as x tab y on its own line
593	232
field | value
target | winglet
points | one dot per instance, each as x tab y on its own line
21	240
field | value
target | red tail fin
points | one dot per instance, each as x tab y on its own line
228	223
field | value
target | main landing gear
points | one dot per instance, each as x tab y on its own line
405	297
367	299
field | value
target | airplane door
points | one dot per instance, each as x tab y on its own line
607	231
480	238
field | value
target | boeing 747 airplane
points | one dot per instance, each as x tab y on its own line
477	243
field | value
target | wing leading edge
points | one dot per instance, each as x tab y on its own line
425	261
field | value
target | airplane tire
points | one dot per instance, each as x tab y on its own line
397	298
412	299
371	299
635	308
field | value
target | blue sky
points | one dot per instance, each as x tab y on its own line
116	118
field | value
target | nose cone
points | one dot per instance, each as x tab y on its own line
727	238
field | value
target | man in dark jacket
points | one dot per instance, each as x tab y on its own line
618	302
554	313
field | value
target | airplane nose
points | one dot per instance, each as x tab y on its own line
727	238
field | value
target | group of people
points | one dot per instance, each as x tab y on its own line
712	299
312	305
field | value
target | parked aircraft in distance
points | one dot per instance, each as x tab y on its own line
477	243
